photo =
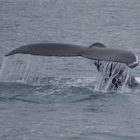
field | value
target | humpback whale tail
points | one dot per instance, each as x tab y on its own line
96	51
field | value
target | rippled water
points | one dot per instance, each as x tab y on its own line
54	98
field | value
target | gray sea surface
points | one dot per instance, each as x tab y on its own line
51	98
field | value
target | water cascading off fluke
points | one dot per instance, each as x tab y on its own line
22	69
33	70
114	76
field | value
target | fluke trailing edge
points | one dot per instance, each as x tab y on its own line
96	51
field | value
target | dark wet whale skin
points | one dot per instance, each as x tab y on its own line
96	51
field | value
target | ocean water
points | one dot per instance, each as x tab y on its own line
51	98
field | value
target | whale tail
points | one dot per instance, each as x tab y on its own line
96	51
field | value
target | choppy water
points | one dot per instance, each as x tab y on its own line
58	100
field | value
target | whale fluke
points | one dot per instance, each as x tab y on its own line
108	54
96	51
48	49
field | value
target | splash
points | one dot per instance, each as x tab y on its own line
113	76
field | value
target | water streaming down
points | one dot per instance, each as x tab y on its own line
40	70
22	69
113	76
